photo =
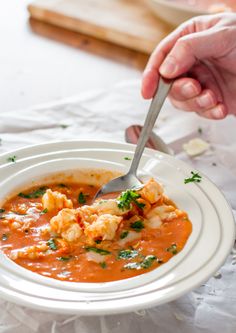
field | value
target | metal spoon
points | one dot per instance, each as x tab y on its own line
130	180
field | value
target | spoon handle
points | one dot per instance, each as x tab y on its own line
154	110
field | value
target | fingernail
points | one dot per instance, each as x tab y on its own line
169	67
217	113
189	90
205	101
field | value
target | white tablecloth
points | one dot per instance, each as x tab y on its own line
105	115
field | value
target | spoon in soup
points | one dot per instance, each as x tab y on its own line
130	180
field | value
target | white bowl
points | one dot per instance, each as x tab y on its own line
173	13
205	251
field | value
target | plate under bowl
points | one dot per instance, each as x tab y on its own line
205	251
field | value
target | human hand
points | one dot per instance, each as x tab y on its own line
201	56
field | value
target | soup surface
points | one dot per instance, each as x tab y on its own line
59	232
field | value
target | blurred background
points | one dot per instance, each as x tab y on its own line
51	49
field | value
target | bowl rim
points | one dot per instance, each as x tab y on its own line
181	7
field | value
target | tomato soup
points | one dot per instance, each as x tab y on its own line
59	232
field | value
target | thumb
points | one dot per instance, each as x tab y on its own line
190	49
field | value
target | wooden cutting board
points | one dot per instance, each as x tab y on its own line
124	22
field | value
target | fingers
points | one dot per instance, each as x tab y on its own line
184	89
202	102
218	112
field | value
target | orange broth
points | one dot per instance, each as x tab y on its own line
72	264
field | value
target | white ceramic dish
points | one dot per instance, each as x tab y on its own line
173	13
207	248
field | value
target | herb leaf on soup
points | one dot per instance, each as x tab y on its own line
97	250
35	194
64	258
147	262
124	234
127	254
137	225
103	264
52	244
172	249
82	198
127	198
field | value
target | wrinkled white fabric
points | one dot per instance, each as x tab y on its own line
104	115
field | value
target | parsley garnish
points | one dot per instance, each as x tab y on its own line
2	210
199	130
195	178
127	254
124	234
51	243
64	126
147	262
96	250
44	211
64	258
12	159
172	249
82	198
127	197
103	264
127	158
5	237
98	241
35	194
137	225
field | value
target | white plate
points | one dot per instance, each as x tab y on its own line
205	251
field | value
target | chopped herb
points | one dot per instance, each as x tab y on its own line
124	234
132	265
64	258
195	178
2	210
127	254
103	264
44	211
51	243
98	241
12	159
96	250
137	225
127	158
5	237
35	194
64	126
127	197
82	198
172	249
147	262
214	164
199	130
